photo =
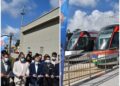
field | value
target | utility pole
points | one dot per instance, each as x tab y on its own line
10	42
22	18
22	15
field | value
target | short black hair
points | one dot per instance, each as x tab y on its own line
36	55
46	56
29	52
54	53
40	54
4	52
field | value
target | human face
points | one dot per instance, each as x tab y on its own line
37	59
40	57
6	58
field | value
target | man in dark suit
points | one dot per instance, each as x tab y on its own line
6	70
48	71
54	61
56	75
35	72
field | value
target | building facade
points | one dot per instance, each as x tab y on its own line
41	35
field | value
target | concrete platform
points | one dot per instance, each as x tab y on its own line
109	79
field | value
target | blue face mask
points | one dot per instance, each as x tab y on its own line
22	60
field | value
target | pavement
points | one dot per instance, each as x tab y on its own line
109	79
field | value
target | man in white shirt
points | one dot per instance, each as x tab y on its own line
20	70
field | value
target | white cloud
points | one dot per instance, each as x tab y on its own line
10	29
84	3
116	7
95	21
54	3
7	31
15	6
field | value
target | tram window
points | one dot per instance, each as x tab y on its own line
82	43
115	41
73	41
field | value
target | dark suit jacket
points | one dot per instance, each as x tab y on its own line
48	68
32	71
9	69
56	70
5	80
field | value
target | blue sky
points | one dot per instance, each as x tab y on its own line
40	7
94	14
11	18
82	13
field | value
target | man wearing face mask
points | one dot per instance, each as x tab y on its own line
55	78
35	72
54	58
20	70
5	70
48	71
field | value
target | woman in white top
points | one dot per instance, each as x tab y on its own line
20	70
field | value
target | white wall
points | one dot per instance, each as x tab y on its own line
48	38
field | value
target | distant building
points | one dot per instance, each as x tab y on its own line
41	35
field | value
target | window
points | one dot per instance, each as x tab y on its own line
115	41
104	38
41	50
73	41
28	49
82	43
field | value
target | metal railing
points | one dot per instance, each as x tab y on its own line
78	68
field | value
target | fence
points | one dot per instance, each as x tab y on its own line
78	68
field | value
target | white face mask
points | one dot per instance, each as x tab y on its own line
47	61
36	62
53	59
6	59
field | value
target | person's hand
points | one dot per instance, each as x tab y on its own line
57	76
39	76
8	76
26	75
1	74
20	77
52	76
46	75
34	75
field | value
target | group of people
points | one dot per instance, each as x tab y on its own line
30	70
